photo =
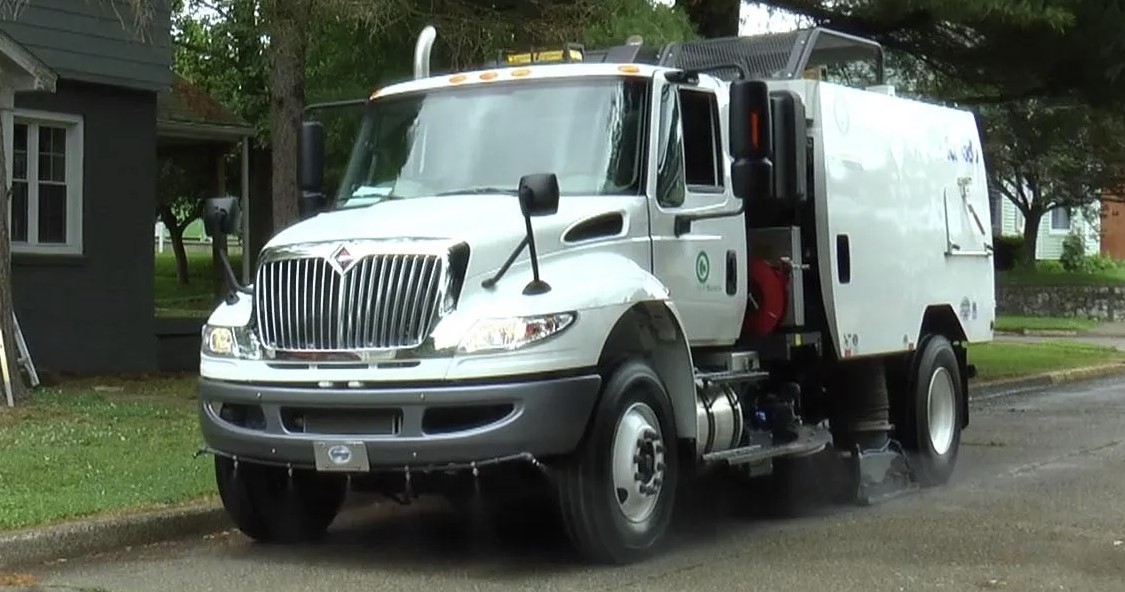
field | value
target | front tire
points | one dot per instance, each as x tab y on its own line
617	492
268	505
931	432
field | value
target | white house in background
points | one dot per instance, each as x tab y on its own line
1053	228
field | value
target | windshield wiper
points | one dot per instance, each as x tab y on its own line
478	191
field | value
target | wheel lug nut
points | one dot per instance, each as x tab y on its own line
638	476
660	466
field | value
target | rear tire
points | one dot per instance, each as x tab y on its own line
268	506
617	491
931	430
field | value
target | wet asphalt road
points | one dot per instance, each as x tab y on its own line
1037	503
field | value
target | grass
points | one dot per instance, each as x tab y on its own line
999	360
1017	324
195	299
75	450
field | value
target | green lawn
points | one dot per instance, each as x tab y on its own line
195	299
74	451
999	360
1016	324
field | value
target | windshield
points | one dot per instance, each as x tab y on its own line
478	139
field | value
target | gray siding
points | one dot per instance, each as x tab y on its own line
94	313
85	40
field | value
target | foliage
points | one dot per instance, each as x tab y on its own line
1051	273
996	50
1006	251
1044	156
1073	256
657	24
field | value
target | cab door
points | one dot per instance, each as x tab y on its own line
704	264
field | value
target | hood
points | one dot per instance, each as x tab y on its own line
492	225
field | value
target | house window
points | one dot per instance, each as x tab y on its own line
45	211
1060	220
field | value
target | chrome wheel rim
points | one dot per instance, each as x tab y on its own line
942	413
638	462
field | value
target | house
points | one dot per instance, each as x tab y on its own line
1054	227
80	100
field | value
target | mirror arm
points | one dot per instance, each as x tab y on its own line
490	282
682	223
233	285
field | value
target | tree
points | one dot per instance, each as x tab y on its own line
1000	50
1042	156
713	18
179	199
141	12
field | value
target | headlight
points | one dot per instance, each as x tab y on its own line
229	342
513	333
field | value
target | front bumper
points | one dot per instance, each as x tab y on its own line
399	427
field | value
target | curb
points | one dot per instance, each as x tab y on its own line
88	537
1047	379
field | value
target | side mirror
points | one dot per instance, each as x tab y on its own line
221	215
751	139
311	171
539	195
312	157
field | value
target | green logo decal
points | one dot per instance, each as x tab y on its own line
702	267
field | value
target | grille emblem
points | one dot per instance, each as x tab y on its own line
342	260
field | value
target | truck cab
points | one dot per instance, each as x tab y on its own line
616	268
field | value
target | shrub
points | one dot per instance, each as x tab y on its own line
1050	266
1006	251
1073	256
1101	263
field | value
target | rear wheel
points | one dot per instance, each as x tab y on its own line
617	491
268	505
931	428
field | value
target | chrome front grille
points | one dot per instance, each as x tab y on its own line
382	301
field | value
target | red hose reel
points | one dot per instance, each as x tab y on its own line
769	285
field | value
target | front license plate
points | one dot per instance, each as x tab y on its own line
350	457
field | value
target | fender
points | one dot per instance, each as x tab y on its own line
622	309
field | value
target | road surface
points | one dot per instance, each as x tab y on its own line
1037	503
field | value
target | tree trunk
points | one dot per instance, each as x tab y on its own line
7	316
713	18
176	237
287	21
1032	219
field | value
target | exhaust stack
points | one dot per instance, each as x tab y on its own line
422	51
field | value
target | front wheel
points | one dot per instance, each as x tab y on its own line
617	491
269	505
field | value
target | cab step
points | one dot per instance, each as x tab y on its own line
730	376
812	439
